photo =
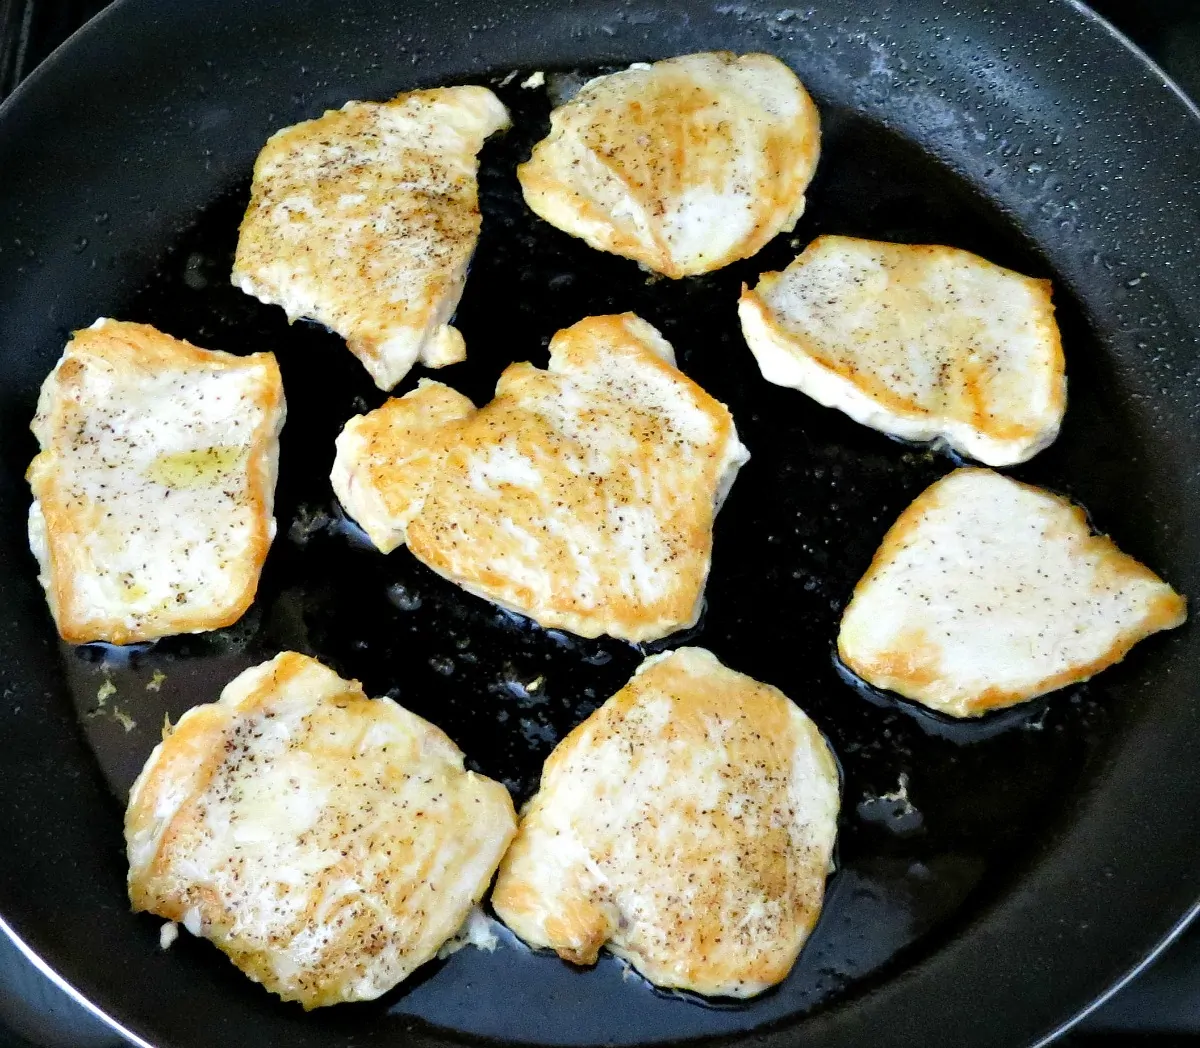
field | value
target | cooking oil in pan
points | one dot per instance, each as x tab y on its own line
937	816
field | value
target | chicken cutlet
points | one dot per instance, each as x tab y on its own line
365	220
920	341
688	824
684	166
582	496
329	843
154	487
987	592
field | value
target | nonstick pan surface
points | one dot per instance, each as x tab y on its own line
994	877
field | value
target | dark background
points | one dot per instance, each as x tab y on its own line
1160	1009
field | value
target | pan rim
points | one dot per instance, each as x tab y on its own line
64	53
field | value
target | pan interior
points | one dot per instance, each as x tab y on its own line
937	817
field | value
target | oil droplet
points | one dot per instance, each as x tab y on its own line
193	272
405	599
441	664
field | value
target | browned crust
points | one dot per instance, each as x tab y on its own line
259	240
398	450
620	616
582	921
983	421
146	348
181	770
192	751
538	184
912	667
673	137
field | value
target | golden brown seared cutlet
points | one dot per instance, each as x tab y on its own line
328	843
688	825
154	487
987	592
920	341
684	166
365	220
582	496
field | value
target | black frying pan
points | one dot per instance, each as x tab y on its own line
1047	850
